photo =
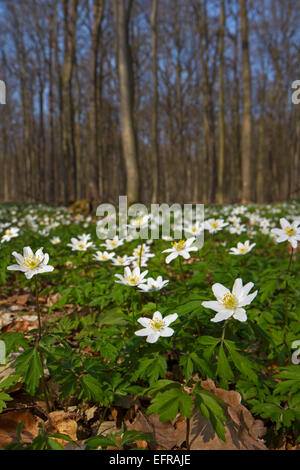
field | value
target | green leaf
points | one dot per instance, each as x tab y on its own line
30	367
132	436
224	370
52	444
241	363
112	317
168	403
91	388
187	365
99	441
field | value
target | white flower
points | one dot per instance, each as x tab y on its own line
140	222
194	229
156	327
55	240
251	233
132	278
181	248
242	248
152	285
167	238
142	251
239	210
31	264
237	229
214	225
103	256
113	243
288	232
121	261
9	234
234	220
254	219
81	243
296	345
140	262
265	230
230	304
264	223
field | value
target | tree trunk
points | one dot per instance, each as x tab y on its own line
154	129
220	187
122	15
247	106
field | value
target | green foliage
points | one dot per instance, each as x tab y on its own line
88	343
127	439
168	400
43	441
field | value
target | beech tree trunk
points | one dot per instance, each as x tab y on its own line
122	11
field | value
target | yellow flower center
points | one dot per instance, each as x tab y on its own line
290	231
31	261
179	245
113	243
132	280
156	325
138	222
215	224
243	249
8	232
80	245
229	300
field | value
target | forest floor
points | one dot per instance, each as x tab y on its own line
123	345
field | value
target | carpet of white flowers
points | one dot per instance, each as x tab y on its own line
106	324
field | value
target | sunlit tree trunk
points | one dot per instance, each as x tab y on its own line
220	187
122	11
247	106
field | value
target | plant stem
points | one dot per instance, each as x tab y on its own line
182	272
223	332
132	308
287	291
45	388
188	429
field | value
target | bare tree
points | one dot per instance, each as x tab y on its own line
247	106
122	18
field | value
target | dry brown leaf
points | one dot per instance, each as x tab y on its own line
106	428
62	422
90	412
242	430
52	299
142	444
9	422
164	434
21	326
15	299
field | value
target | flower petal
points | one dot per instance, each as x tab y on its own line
166	332
219	290
143	332
157	316
213	305
170	318
240	314
153	337
144	321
